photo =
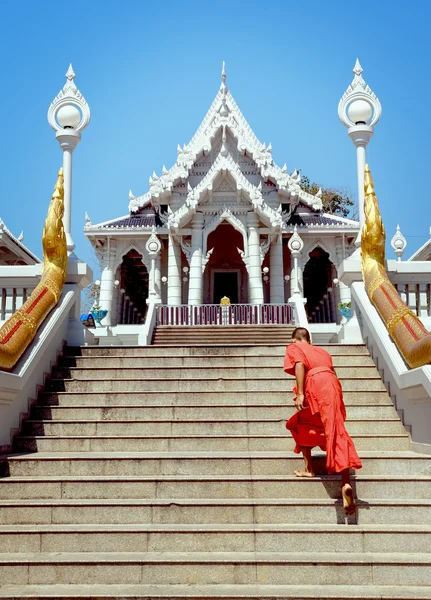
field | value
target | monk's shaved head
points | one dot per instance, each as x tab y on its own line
301	335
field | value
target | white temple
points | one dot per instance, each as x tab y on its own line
220	221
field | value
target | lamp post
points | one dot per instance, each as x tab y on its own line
399	244
153	247
68	115
295	245
359	110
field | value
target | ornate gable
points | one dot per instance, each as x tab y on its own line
224	130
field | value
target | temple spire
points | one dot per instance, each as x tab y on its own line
223	86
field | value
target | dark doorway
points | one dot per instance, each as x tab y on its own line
226	284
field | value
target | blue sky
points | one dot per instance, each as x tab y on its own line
150	71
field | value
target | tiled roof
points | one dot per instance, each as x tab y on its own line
138	221
314	220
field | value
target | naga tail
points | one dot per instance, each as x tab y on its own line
404	327
19	330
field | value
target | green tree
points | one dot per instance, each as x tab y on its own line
335	201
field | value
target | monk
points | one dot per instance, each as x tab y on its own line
321	413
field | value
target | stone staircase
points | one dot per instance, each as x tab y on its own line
166	472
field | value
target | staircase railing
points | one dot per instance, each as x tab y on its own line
216	314
16	284
409	389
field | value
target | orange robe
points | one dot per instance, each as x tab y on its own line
321	422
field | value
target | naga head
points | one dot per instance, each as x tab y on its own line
373	233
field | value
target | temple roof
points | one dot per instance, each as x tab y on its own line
225	143
224	114
139	221
424	252
12	250
320	220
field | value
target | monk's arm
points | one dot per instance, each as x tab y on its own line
300	378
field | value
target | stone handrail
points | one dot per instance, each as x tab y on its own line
19	388
410	389
297	304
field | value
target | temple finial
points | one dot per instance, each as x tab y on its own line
70	75
223	86
357	69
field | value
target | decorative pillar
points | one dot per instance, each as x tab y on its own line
68	115
276	271
174	272
344	295
107	281
296	246
153	247
255	285
196	276
359	110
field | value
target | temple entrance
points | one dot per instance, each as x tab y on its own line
133	291
225	283
319	273
225	274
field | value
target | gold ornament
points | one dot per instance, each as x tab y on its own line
19	330
404	327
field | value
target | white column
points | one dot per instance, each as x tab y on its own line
174	272
360	136
276	275
196	275
158	278
255	285
68	142
107	284
296	286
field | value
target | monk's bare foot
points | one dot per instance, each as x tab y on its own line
348	499
304	473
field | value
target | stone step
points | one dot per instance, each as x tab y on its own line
211	538
194	398
284	486
196	463
215	592
193	443
186	373
196	361
134	427
280	384
202	413
222	568
269	350
207	511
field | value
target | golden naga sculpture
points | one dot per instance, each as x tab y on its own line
406	330
18	331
